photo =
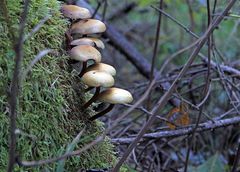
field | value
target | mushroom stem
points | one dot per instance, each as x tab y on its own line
70	63
97	91
88	89
69	39
84	67
108	109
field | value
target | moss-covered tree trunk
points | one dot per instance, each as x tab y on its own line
49	113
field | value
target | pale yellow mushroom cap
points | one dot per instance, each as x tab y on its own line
84	53
115	96
75	12
88	41
98	42
98	79
102	67
88	26
83	41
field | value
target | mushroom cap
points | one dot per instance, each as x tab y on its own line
115	96
75	12
85	53
82	41
98	42
98	79
102	67
88	26
88	41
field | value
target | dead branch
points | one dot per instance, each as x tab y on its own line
122	11
64	156
181	132
15	85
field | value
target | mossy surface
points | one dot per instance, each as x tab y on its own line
49	114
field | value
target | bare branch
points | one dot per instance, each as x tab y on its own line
37	27
237	158
156	41
118	13
38	57
66	155
176	21
14	89
181	132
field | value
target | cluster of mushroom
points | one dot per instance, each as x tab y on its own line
83	44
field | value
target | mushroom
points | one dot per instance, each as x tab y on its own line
88	41
88	26
96	79
98	43
75	12
113	96
82	41
84	53
102	67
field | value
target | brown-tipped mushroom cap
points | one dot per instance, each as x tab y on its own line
84	53
115	96
88	41
98	79
102	67
75	12
98	42
89	26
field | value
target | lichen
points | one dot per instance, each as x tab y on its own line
49	114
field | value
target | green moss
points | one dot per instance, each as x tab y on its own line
49	114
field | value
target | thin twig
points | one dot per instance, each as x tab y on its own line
205	97
96	10
181	132
156	41
227	68
66	155
104	10
236	159
15	85
37	27
155	49
226	113
176	21
206	90
122	11
38	57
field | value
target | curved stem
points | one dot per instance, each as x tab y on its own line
88	89
84	67
69	39
108	109
86	105
72	61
